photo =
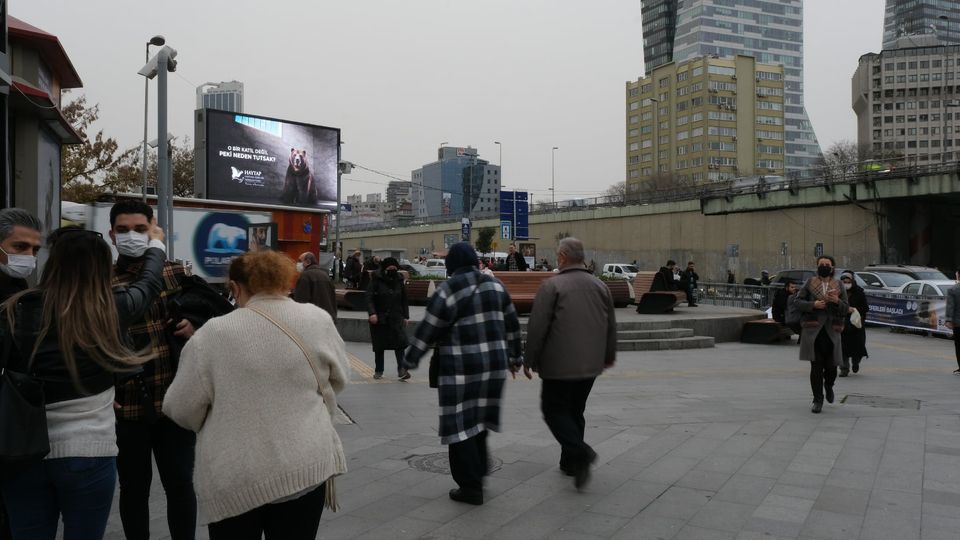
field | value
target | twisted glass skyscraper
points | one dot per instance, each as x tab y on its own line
769	30
908	17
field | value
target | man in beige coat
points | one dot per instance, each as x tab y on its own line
571	339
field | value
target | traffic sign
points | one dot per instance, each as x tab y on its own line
505	230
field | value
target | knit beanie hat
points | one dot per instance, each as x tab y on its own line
389	261
461	255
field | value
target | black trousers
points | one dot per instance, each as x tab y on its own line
298	519
468	462
691	297
172	448
823	372
562	403
956	344
378	360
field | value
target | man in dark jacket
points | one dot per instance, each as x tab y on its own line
688	280
19	245
515	261
353	268
779	308
571	339
953	316
664	281
314	287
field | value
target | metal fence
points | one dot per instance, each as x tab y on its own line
733	295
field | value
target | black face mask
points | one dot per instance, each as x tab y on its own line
391	273
825	271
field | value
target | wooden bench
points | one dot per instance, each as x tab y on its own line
654	301
523	287
764	331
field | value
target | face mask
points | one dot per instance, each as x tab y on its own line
824	271
848	286
18	266
300	267
132	244
392	273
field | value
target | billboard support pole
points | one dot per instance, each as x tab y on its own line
163	160
337	249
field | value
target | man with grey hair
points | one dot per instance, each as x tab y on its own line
19	244
314	286
571	339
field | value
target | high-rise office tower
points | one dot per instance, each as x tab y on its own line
659	26
224	96
769	30
911	17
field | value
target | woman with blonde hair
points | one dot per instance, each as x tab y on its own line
259	387
67	334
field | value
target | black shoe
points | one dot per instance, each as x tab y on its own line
378	375
567	470
582	475
405	375
693	305
829	393
844	372
469	497
856	366
817	407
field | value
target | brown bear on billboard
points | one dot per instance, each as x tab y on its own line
298	186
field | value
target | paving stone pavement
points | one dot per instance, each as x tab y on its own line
702	444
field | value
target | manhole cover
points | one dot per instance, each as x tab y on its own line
440	463
881	402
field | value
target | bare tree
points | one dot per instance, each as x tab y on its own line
617	193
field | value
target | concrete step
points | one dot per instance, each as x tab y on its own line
628	326
693	342
669	333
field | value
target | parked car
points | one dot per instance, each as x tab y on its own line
915	272
888	281
414	269
436	268
620	271
800	276
926	287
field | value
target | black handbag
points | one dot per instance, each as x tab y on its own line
23	413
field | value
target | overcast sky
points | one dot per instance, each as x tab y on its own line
401	76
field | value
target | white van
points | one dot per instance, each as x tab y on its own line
620	271
436	268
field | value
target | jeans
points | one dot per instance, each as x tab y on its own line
823	372
468	462
562	403
378	360
80	489
172	447
298	519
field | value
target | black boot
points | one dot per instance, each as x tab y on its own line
817	407
856	365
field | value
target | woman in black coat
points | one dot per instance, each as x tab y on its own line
854	339
389	312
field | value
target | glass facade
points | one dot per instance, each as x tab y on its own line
659	27
769	30
907	17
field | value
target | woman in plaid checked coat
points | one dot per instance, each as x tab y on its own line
474	324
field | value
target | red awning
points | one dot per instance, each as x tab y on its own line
37	102
50	50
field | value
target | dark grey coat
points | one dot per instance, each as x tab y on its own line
832	318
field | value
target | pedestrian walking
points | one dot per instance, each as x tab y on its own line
854	339
314	286
259	387
68	333
473	323
571	339
823	301
953	316
388	313
688	282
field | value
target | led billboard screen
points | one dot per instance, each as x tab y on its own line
268	161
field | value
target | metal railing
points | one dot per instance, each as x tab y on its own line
734	295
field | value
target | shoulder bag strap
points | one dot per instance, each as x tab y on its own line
291	335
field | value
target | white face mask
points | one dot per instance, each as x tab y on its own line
848	286
132	244
300	267
18	266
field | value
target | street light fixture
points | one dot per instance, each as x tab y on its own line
553	174
157	41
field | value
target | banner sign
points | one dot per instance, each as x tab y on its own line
908	311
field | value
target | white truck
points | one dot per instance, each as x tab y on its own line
620	271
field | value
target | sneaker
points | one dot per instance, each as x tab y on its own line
817	407
956	372
405	375
378	375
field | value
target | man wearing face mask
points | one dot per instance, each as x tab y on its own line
19	244
824	303
143	432
313	286
388	314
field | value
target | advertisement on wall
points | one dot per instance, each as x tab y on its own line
912	312
268	161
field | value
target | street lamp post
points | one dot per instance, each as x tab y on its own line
553	175
947	105
158	41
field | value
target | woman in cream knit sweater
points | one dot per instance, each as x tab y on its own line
266	446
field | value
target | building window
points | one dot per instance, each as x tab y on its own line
721	70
